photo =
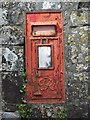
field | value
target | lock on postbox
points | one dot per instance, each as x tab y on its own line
44	57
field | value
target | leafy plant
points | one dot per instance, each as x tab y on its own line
62	114
24	76
23	89
25	111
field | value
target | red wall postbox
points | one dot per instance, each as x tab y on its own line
44	57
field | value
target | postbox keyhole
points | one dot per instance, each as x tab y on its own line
36	73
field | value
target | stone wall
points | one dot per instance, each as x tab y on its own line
76	56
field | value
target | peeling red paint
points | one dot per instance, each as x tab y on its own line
45	84
33	18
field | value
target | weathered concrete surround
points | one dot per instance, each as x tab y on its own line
76	55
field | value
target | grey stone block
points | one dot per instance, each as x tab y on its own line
11	115
79	18
79	111
11	35
0	57
2	22
13	58
11	85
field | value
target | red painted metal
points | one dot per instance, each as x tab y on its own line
45	85
43	30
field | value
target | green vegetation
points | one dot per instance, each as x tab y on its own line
62	114
26	111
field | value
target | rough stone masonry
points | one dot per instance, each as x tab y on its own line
76	57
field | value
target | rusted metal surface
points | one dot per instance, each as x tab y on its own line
42	30
44	57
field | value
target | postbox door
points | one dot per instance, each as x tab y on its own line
45	69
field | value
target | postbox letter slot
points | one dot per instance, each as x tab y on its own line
43	30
